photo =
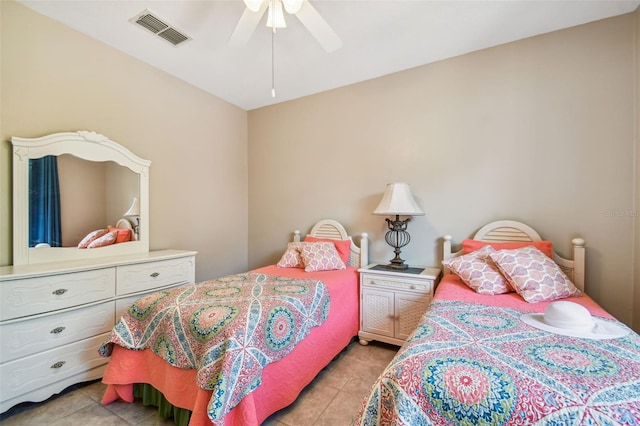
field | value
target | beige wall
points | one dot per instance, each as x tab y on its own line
55	79
540	130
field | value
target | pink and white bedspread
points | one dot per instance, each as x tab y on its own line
227	329
472	361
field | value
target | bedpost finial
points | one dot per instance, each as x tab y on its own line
364	235
448	238
578	242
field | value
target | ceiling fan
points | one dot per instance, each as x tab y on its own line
302	9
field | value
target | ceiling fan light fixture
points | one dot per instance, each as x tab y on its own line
253	5
275	17
292	6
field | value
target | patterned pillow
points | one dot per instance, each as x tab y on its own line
291	257
342	246
478	272
533	275
106	240
320	257
91	236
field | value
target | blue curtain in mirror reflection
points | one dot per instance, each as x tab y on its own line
44	202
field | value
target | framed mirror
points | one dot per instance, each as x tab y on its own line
100	182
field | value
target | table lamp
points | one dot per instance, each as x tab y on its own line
397	201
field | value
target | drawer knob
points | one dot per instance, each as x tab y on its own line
58	364
60	291
155	274
57	330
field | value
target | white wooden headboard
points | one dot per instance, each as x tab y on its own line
512	231
329	228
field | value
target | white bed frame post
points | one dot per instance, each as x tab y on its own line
446	252
578	262
364	250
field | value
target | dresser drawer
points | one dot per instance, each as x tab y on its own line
31	296
23	338
388	282
151	275
33	372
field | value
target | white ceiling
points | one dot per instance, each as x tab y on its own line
379	37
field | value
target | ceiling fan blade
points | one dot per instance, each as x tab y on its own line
247	25
318	27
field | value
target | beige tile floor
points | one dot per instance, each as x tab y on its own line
333	398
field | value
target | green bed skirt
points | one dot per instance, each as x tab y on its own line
152	397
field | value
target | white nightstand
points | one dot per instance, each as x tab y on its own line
392	302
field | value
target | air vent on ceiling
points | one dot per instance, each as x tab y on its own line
160	28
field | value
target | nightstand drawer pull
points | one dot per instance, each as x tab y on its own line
155	274
57	330
58	364
59	291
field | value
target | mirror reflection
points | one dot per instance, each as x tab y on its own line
70	197
98	181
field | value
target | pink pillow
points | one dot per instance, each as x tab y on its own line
291	257
478	272
91	236
342	246
533	275
124	235
106	240
321	256
546	247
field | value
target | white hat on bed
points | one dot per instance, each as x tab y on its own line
572	319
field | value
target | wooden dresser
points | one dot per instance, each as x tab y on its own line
53	317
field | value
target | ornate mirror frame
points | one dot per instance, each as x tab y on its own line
89	146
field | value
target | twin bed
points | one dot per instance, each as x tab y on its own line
231	396
472	359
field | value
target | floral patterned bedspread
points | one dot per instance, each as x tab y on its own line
228	329
471	364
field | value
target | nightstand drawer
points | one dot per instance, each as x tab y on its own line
381	281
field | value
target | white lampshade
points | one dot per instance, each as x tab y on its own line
134	210
397	200
292	6
275	17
